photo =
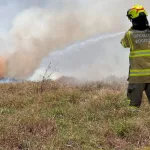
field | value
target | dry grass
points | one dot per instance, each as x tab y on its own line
93	116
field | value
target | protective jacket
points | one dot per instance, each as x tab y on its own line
139	58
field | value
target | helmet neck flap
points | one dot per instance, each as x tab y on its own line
140	23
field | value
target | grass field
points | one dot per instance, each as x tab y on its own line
54	116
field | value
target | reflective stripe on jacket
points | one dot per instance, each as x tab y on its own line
139	44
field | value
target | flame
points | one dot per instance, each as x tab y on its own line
3	67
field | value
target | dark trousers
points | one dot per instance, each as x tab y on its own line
135	93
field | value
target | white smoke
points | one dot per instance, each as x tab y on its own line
39	31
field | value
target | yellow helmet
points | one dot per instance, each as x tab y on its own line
136	11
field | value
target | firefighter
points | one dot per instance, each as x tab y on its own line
137	38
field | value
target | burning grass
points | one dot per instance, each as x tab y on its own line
56	116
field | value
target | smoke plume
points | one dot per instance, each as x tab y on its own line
36	31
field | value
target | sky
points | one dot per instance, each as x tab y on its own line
10	9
